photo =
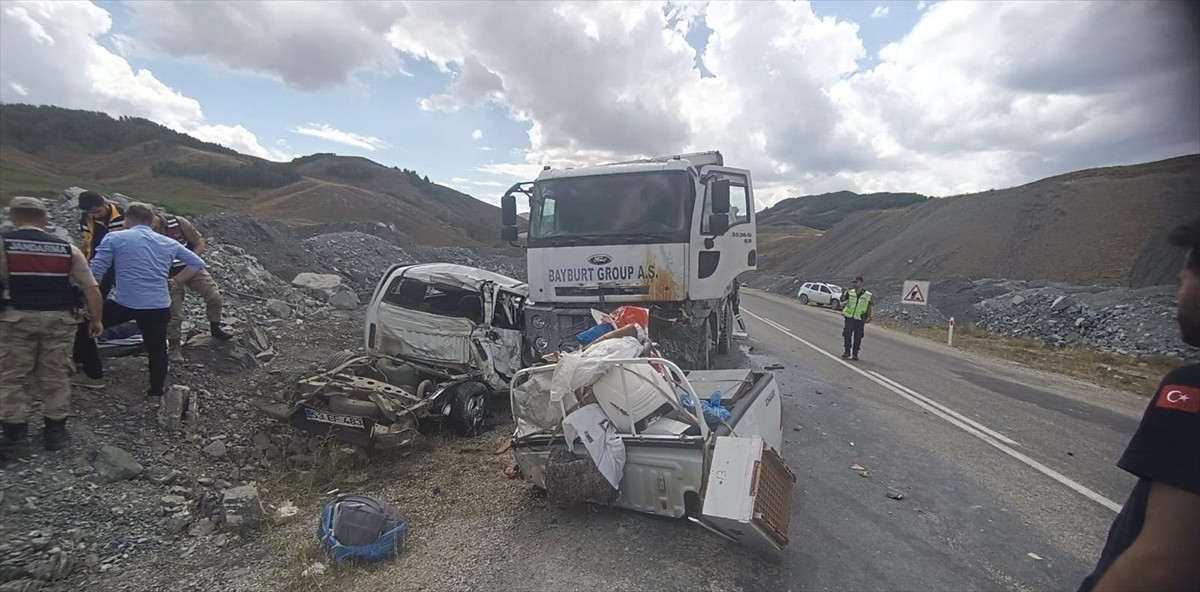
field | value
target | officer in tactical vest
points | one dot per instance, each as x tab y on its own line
856	309
180	229
40	276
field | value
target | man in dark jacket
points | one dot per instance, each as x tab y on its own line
100	217
1154	543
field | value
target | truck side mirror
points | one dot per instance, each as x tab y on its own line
719	193
508	210
508	234
718	224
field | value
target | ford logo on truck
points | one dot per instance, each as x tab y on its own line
600	259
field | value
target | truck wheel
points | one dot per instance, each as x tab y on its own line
468	408
804	299
725	334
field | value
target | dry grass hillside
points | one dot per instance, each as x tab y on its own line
45	149
1097	226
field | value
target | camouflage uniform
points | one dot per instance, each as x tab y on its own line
38	323
178	228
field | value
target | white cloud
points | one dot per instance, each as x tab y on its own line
307	45
963	102
477	135
880	12
591	79
522	171
999	110
921	5
789	100
52	53
328	132
490	184
241	139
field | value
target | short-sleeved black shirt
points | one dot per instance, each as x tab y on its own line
1166	448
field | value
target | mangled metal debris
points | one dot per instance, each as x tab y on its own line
378	401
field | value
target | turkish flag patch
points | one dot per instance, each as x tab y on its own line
1179	397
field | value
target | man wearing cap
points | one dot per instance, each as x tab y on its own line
39	275
142	260
98	218
180	229
856	309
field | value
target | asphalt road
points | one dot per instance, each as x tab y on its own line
995	462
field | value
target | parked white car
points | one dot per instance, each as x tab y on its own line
821	294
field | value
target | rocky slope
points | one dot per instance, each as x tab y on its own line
141	486
1098	226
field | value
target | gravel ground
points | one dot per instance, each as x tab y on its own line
70	523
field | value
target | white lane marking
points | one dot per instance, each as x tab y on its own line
970	429
948	411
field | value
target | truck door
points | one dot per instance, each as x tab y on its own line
717	260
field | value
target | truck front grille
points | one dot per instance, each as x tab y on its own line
598	292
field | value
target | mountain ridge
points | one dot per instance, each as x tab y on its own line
44	149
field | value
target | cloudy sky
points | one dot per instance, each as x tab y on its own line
935	97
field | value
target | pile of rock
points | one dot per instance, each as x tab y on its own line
359	257
1117	320
1109	319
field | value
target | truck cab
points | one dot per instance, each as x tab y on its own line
668	233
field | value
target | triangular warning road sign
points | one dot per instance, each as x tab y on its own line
915	295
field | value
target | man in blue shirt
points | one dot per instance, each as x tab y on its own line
142	260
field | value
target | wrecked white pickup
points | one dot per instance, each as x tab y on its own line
650	442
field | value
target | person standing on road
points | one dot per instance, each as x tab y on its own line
183	232
142	259
857	312
40	275
99	218
1154	543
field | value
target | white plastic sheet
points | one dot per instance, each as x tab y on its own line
531	402
577	370
599	436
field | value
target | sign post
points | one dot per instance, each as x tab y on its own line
917	293
950	338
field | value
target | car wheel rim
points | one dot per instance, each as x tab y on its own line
475	410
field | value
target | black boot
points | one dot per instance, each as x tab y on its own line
854	357
218	332
16	439
846	354
55	433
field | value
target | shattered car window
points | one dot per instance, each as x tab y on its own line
439	300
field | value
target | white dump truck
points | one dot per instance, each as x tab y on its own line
669	233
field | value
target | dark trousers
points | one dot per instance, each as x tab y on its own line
152	324
86	356
853	329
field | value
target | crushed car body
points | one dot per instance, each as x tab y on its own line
456	319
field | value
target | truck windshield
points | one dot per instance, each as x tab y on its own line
626	208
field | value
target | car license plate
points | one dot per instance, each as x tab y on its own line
334	418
